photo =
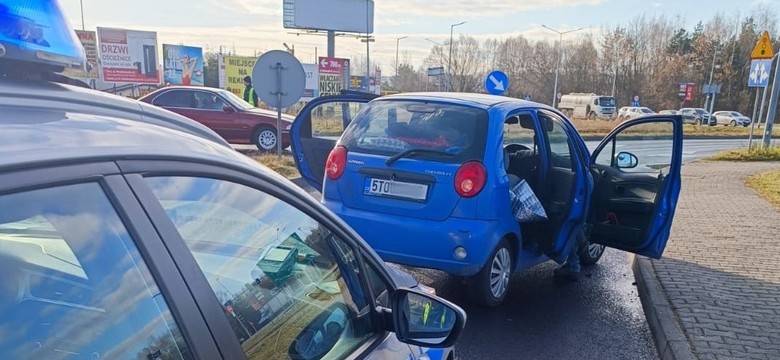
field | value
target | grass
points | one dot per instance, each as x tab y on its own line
602	127
285	165
767	185
757	154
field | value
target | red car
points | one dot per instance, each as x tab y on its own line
225	113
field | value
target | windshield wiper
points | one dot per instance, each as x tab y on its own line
407	153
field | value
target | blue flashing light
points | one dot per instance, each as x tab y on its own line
37	31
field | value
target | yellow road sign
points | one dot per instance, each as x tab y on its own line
763	49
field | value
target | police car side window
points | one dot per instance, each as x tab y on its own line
290	287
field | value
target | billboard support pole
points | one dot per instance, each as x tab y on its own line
331	43
753	121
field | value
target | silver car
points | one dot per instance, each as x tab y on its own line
731	118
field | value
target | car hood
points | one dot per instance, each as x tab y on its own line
270	113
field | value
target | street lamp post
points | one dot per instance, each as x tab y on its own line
449	62
711	95
81	5
560	56
397	42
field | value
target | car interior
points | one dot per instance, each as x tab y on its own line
555	193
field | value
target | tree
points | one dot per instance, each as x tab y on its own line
210	69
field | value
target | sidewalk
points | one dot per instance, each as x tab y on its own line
717	287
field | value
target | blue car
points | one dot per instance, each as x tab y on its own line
426	179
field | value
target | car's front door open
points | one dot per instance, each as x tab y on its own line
636	171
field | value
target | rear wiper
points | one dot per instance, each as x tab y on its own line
407	153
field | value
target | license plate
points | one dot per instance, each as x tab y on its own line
398	189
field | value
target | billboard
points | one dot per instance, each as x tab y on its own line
128	56
88	40
232	70
312	89
332	73
338	15
182	65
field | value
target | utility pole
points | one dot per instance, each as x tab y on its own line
449	62
397	42
560	57
772	111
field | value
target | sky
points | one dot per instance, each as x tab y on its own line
253	26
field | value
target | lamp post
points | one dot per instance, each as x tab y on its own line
81	5
397	42
560	56
449	62
710	105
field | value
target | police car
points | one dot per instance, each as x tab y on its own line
130	232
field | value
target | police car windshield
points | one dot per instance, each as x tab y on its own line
234	100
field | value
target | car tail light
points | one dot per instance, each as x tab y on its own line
337	162
470	179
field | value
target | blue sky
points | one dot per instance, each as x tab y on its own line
256	25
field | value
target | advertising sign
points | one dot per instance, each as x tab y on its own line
332	72
128	56
182	65
88	40
312	89
232	70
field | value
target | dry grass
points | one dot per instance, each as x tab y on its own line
284	165
767	185
757	154
602	127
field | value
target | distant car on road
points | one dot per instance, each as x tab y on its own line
697	116
731	118
227	114
632	112
668	112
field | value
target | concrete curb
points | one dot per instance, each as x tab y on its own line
669	337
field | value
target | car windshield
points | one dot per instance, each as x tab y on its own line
646	110
234	100
441	132
607	101
734	113
700	111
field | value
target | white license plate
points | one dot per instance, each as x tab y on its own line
392	188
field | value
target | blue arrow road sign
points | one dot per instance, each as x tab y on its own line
759	72
496	82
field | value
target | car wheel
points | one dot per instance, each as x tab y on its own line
592	116
265	138
733	123
490	285
698	122
591	253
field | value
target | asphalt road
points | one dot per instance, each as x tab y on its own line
598	317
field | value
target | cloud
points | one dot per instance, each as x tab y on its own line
474	9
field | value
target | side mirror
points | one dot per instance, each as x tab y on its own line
426	320
626	160
228	109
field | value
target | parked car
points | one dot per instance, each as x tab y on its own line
697	116
130	232
668	112
633	112
227	114
731	118
426	178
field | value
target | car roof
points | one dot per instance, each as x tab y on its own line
483	101
42	95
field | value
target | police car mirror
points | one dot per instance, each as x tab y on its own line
425	320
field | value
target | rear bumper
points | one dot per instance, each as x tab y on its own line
423	243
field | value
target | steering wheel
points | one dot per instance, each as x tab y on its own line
513	148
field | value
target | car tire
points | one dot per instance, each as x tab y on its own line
699	122
265	138
591	253
592	116
497	272
733	123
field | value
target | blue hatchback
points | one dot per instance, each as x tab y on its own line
425	178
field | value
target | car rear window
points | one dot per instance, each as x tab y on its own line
452	133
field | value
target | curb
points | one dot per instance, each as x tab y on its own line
670	340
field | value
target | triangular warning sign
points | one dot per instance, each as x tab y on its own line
763	49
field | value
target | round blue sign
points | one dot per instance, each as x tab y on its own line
496	82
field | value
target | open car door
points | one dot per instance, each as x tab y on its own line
316	129
636	173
